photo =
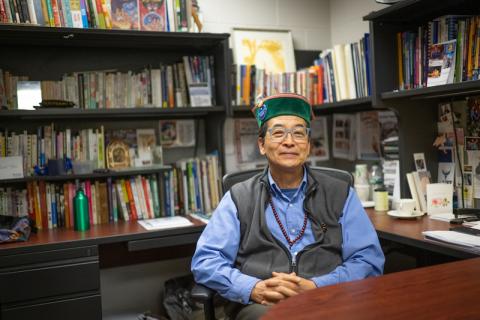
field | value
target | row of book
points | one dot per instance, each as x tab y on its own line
452	40
338	74
193	186
49	143
346	70
51	205
168	15
187	83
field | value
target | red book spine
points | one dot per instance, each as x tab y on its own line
43	205
131	201
147	199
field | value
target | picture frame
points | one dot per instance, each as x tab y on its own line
118	155
271	50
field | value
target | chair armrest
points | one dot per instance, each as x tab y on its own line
202	294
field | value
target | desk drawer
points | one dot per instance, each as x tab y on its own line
81	308
44	280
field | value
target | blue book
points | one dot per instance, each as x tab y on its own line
67	13
367	62
196	182
54	209
83	10
167	190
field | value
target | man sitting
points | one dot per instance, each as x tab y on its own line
288	229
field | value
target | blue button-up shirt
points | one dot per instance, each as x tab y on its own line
213	261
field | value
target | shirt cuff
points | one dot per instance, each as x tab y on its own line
242	288
326	280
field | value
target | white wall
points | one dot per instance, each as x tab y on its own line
346	23
315	24
307	19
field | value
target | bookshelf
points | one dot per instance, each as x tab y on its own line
106	114
45	53
416	108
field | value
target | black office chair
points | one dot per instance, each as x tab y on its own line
205	295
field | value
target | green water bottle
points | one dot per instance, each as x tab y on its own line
80	205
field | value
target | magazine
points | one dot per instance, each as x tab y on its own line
319	150
246	146
343	136
177	133
441	63
368	137
145	145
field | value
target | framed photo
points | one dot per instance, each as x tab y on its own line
271	50
118	155
177	133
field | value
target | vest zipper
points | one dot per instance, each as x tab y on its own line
291	259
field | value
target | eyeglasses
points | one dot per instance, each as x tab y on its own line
299	134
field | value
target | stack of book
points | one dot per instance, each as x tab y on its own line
390	149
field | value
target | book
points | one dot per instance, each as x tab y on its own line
413	192
421	180
441	63
165	223
177	133
125	14
146	141
439	198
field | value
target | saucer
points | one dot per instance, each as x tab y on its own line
368	204
396	214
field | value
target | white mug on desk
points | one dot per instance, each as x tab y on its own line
406	207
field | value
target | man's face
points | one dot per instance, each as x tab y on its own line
289	152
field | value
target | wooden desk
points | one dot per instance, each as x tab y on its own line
58	256
56	274
409	232
446	291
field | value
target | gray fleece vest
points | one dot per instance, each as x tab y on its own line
260	252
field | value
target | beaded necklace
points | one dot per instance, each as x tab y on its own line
282	228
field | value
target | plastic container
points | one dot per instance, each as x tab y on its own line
381	199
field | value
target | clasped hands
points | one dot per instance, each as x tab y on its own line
280	287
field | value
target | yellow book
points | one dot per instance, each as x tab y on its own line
36	203
471	34
400	61
101	147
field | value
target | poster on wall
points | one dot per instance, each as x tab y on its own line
271	50
319	150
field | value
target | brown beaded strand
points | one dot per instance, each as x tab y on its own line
300	235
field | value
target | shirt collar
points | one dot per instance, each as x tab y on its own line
276	190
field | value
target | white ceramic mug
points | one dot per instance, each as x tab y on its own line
363	191
406	207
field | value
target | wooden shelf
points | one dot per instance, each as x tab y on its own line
121	113
30	35
449	90
110	174
414	11
350	105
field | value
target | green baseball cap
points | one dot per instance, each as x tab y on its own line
283	104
